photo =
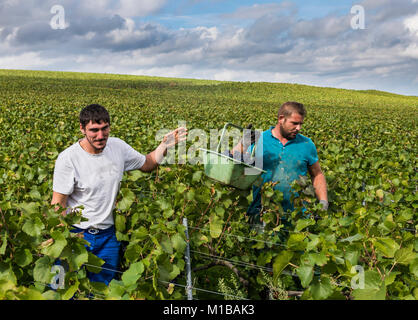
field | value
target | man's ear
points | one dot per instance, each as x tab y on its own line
281	119
83	131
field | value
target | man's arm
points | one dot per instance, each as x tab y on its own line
153	159
319	182
240	148
59	199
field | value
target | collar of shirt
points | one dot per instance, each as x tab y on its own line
288	142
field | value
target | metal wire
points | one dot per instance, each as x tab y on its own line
240	263
254	266
97	295
108	269
236	236
204	290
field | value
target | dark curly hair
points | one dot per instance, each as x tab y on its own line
94	113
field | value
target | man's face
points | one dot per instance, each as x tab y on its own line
96	134
290	127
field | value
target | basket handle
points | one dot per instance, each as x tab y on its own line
228	124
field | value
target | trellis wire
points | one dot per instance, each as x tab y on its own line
239	263
209	256
254	266
205	290
246	238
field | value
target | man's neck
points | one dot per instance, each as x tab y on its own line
88	147
276	133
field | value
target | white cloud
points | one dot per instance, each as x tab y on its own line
251	75
177	71
29	60
411	23
411	51
12	35
90	35
120	35
208	33
229	40
142	8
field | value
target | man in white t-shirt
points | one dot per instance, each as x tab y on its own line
89	174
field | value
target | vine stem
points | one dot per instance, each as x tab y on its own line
157	178
223	231
367	252
373	256
8	232
373	260
394	264
203	214
228	265
4	221
184	207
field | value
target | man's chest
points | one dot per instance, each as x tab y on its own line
284	156
100	173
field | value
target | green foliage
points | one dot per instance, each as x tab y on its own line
231	289
366	144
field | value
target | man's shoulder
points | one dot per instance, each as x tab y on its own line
303	138
268	130
117	145
69	151
267	133
116	142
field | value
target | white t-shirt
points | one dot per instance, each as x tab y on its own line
93	180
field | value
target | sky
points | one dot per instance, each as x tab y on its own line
362	45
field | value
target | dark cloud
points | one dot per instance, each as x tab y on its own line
323	28
101	25
273	40
383	10
269	28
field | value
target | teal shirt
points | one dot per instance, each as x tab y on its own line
283	164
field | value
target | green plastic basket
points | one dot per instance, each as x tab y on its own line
230	171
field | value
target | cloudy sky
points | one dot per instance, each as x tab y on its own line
314	42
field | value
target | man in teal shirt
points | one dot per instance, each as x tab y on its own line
286	156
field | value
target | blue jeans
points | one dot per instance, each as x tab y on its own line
106	247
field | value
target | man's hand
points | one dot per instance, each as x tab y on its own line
243	144
325	205
174	137
245	139
156	157
60	201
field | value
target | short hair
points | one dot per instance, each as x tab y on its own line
94	113
288	108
